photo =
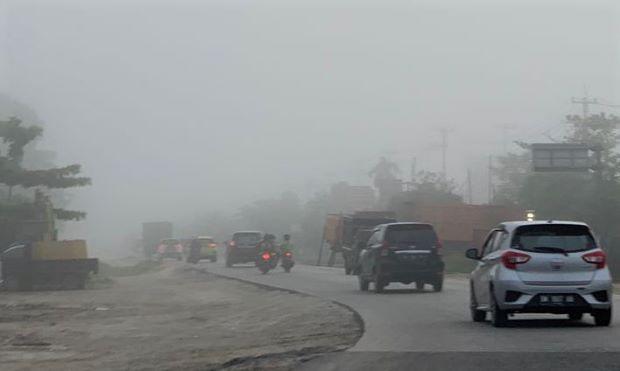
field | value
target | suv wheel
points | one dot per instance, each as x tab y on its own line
363	283
419	285
476	314
229	263
438	285
379	281
602	317
499	317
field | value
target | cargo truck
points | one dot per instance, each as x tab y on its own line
345	233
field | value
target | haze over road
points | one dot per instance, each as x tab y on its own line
404	320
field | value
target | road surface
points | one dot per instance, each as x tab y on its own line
434	331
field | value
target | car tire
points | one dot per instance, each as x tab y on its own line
476	314
499	317
347	270
213	259
575	316
419	285
438	285
379	280
229	263
602	317
363	283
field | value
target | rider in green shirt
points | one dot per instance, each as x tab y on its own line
287	245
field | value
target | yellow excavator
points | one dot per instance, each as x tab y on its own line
37	260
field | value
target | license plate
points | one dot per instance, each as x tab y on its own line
557	299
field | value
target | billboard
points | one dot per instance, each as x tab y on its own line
562	157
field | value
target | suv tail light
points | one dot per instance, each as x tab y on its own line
231	244
597	257
438	247
510	259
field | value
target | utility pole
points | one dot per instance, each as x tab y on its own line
444	149
414	170
469	188
491	190
585	105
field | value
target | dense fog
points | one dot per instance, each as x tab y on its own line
177	108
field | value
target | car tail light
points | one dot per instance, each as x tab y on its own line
232	244
288	254
597	257
510	259
213	245
266	256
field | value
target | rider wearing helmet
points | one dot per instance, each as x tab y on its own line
267	244
287	245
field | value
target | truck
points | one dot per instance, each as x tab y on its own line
153	233
346	233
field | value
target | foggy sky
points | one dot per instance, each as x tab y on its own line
177	107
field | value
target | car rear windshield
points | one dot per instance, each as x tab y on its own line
553	238
247	238
411	236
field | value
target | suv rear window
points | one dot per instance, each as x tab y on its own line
247	238
552	238
411	236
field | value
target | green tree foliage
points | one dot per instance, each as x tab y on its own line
591	197
272	215
16	137
598	131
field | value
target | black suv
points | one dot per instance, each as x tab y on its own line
401	252
242	247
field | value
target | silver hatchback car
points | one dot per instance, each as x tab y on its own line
540	267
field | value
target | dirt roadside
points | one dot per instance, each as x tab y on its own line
177	318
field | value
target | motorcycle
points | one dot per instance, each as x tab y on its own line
287	261
266	261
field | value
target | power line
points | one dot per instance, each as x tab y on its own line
585	104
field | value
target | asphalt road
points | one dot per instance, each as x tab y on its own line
404	327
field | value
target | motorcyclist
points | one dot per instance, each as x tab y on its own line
287	245
267	244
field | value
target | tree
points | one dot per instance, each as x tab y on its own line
272	215
12	174
428	188
385	180
591	197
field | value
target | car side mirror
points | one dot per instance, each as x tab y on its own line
472	254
